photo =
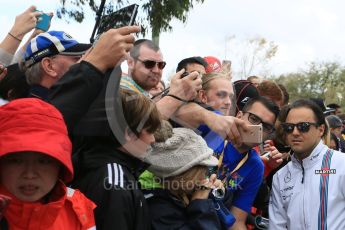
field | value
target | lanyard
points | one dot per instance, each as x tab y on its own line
239	165
324	179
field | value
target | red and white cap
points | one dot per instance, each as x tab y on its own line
214	64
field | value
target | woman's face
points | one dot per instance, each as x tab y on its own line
190	180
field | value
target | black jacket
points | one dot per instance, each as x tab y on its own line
109	178
169	213
105	175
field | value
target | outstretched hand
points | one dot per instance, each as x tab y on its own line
25	22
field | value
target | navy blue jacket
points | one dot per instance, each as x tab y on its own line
168	212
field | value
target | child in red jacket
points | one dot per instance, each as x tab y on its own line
35	161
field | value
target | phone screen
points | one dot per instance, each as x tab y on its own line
122	17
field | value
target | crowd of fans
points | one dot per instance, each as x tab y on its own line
84	145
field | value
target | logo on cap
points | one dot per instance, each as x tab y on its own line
67	36
245	100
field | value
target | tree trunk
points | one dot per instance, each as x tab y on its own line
155	35
155	39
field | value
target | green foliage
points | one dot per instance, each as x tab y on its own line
157	14
323	80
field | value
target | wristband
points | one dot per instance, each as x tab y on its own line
178	98
14	37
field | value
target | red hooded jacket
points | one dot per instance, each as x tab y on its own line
36	126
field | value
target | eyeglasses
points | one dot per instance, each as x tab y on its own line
149	64
303	127
255	120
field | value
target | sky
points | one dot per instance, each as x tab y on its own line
304	30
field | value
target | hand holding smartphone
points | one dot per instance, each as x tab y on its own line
120	18
253	135
43	21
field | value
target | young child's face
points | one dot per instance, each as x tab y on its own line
29	176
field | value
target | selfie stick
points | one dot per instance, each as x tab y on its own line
98	19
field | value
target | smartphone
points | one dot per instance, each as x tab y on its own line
120	18
253	135
43	22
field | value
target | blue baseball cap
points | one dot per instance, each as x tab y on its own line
52	43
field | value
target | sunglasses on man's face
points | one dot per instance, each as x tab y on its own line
303	127
149	64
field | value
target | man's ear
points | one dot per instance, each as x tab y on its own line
47	67
239	114
322	130
202	96
130	63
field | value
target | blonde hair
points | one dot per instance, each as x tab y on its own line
182	184
224	73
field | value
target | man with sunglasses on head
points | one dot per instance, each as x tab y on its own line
308	192
240	167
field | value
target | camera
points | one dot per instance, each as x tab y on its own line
185	74
218	193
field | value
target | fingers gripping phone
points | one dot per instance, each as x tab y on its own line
120	18
253	135
43	21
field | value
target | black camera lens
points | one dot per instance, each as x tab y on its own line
218	193
185	74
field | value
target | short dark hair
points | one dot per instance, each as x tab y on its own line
268	103
334	121
335	139
334	106
191	60
309	104
135	51
14	85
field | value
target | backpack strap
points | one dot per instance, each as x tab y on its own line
324	179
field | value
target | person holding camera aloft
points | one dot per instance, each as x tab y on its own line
23	24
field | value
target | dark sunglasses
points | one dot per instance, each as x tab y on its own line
303	127
149	64
255	120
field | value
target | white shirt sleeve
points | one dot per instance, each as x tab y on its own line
5	57
277	213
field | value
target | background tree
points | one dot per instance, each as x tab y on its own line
251	56
324	80
154	14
